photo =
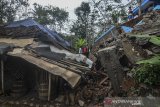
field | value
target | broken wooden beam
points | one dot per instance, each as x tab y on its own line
2	75
49	87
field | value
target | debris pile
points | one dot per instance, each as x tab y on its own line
149	24
142	48
92	90
97	88
132	51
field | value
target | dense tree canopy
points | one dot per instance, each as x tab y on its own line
81	25
10	8
49	15
95	17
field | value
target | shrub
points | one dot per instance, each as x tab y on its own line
148	71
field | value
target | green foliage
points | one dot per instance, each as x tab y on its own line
10	8
83	11
154	60
148	71
79	29
155	40
50	15
81	25
40	14
80	43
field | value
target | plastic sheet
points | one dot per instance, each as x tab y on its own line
126	29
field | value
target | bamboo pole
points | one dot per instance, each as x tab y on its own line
2	75
49	87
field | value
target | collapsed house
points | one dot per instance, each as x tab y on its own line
37	63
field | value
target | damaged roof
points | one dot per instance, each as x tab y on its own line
44	48
41	32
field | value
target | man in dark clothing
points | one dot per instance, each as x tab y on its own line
130	13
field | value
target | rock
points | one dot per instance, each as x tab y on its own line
130	74
149	53
81	103
130	51
143	86
60	98
125	69
150	96
71	95
142	41
156	49
128	83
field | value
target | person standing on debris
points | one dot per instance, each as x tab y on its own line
130	14
139	6
139	2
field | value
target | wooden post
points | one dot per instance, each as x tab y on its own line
113	35
49	87
2	75
104	42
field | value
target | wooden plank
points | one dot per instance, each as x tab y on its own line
2	75
17	42
76	65
103	80
133	22
49	87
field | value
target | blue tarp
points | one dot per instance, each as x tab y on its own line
157	7
104	34
127	29
47	35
